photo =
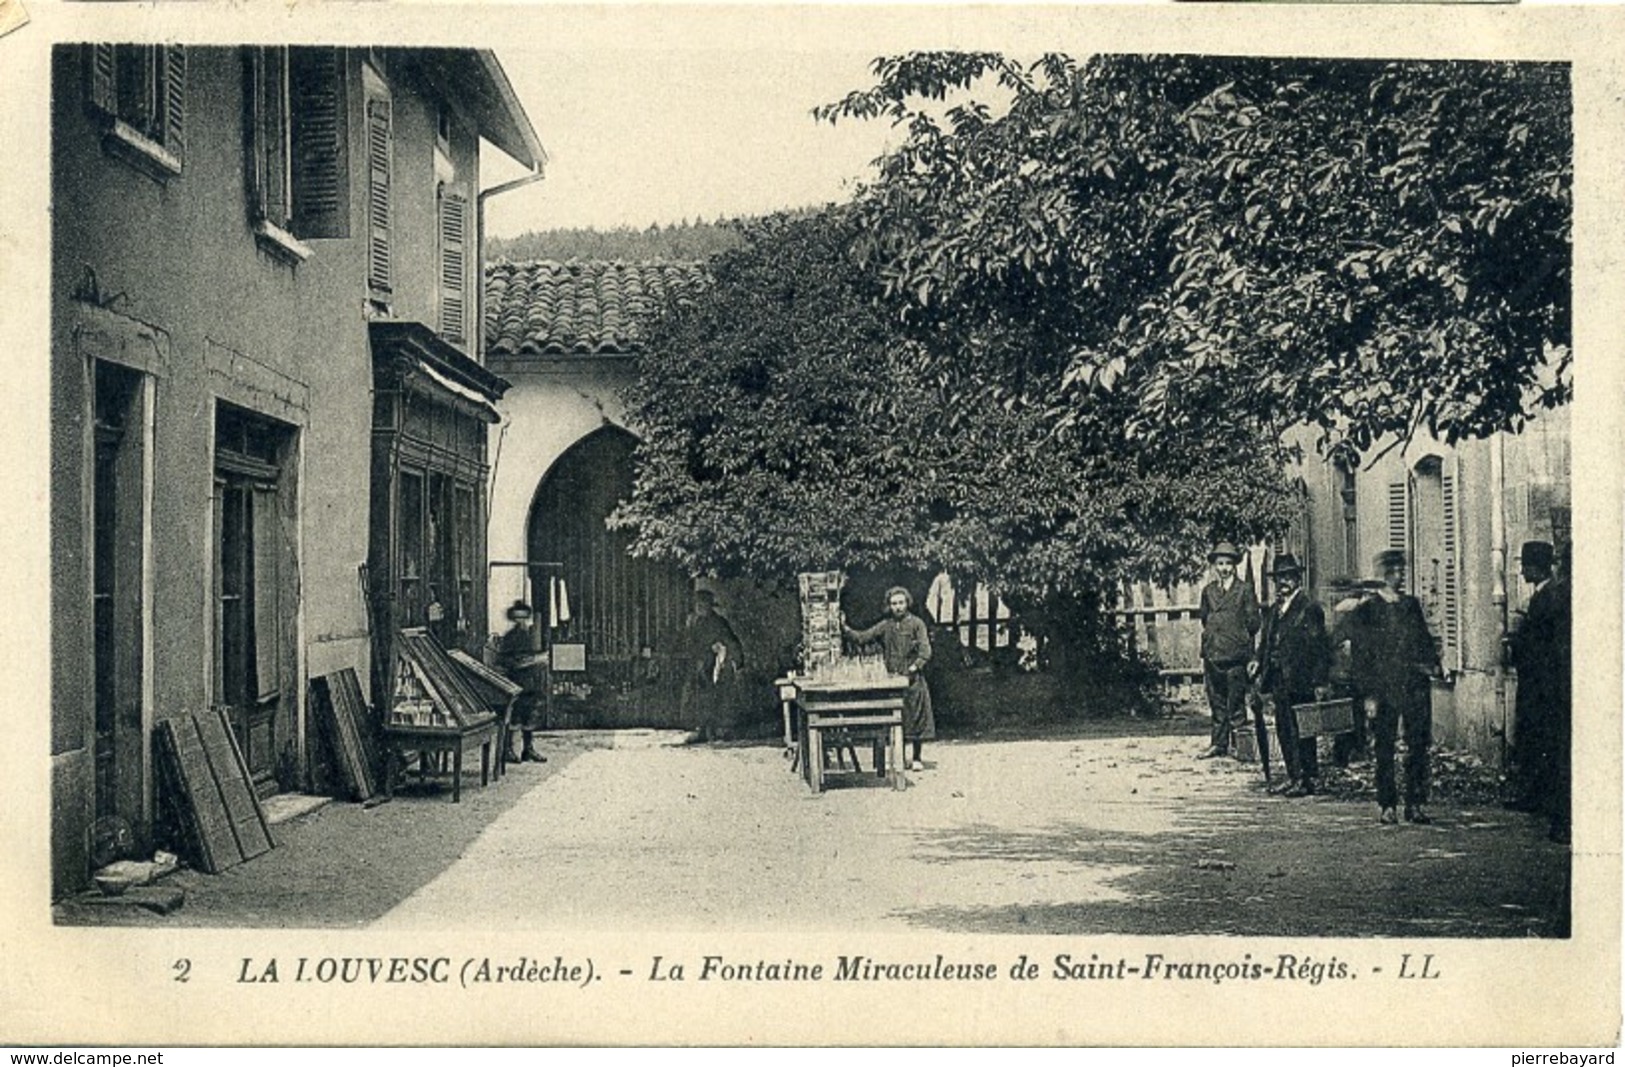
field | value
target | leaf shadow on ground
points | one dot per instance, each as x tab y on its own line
1271	868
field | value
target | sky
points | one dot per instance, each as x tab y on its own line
641	137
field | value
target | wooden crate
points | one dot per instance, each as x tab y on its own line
1324	717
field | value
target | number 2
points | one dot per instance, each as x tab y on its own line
183	968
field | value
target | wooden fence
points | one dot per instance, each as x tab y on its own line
1165	628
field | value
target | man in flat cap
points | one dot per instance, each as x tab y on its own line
1293	657
1541	649
1391	636
1230	621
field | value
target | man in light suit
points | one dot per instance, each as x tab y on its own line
1230	619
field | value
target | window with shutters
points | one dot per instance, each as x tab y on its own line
453	265
138	92
380	196
297	155
1453	648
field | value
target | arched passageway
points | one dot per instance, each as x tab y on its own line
627	611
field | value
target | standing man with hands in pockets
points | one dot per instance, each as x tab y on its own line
1230	621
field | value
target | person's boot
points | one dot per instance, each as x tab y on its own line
529	754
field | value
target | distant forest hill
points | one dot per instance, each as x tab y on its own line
683	241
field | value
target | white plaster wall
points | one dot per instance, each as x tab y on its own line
550	407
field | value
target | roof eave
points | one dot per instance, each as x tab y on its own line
476	79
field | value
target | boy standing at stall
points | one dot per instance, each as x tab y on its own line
525	666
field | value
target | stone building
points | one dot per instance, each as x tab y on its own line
267	404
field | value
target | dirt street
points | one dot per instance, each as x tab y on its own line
1092	833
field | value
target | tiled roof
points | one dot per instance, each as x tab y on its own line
578	308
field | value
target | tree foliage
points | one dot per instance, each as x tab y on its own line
681	241
1176	242
789	421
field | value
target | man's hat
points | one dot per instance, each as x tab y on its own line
1388	557
1286	563
518	608
1537	554
1224	550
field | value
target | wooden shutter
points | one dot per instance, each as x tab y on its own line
267	595
1450	484
173	60
321	158
380	275
453	267
1398	525
101	77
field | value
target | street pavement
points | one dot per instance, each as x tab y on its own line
1088	834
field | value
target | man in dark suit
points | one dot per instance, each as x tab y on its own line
1542	651
1293	657
1230	619
1392	639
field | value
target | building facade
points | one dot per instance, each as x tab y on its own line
1460	513
246	242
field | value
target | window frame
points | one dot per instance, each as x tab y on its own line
268	122
138	93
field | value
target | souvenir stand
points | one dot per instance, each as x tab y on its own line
433	710
839	700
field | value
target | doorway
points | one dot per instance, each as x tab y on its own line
253	613
118	543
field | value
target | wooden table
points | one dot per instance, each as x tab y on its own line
872	708
432	740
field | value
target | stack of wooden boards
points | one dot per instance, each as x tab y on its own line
218	815
346	722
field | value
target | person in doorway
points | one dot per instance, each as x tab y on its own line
1293	657
714	657
526	667
1391	640
906	648
1541	650
1230	620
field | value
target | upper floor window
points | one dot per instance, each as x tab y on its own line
139	91
298	146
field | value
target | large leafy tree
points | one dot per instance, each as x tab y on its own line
790	420
1375	248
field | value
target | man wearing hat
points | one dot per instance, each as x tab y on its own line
1293	657
1230	620
1392	637
518	658
1541	649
